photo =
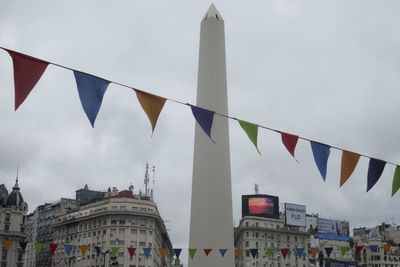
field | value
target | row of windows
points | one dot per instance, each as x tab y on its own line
257	235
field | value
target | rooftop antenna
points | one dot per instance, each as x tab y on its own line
146	181
256	189
154	181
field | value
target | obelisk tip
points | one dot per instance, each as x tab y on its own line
212	12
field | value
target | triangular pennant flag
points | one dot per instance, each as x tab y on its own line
396	181
27	72
177	252
98	250
349	163
358	249
204	118
23	245
387	247
147	252
152	105
373	247
91	90
290	142
321	154
68	249
299	251
254	252
251	130
314	252
207	251
83	249
375	170
162	252
344	250
114	251
284	252
222	251
38	247
270	251
53	248
8	243
238	252
328	251
192	251
131	252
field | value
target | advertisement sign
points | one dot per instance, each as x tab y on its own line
260	205
333	229
295	215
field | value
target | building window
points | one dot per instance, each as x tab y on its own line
114	208
143	222
133	231
113	221
104	222
247	244
142	232
6	227
7	219
134	209
120	254
112	242
134	221
122	207
121	242
133	244
143	209
142	244
113	232
4	254
122	221
122	231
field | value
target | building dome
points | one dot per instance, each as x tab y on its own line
3	195
373	234
15	197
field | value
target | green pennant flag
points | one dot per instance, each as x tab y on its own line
251	130
114	251
192	251
396	181
270	251
344	250
38	247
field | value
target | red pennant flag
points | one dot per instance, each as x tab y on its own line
53	248
131	252
27	72
290	142
284	252
358	249
207	251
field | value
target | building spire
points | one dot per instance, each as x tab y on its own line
16	187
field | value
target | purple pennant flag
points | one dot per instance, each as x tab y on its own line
177	252
321	154
98	251
328	251
91	90
23	245
300	251
147	252
68	249
204	118
222	251
254	252
375	171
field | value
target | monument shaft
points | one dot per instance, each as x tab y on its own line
211	221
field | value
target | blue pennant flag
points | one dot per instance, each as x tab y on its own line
68	249
91	90
222	251
328	251
147	252
254	252
375	170
321	154
299	251
177	252
204	118
373	247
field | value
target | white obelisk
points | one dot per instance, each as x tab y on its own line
211	219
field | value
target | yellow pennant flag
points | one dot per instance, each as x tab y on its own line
387	247
314	252
162	252
8	243
238	252
349	163
83	249
151	104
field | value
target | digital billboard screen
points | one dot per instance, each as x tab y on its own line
295	215
333	229
260	205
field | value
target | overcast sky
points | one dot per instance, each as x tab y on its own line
327	71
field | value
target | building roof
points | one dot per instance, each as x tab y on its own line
15	197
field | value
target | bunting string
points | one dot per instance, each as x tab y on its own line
28	70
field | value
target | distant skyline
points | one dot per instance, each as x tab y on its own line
324	71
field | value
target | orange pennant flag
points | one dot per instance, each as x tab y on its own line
349	163
83	249
387	247
151	104
314	252
238	252
8	243
162	252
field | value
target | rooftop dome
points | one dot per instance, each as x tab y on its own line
15	197
373	234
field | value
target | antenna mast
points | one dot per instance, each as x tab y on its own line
256	189
154	181
146	181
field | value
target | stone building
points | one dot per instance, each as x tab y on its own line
13	212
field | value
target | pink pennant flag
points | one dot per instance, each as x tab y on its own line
290	142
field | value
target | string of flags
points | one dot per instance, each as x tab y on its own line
28	70
192	251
